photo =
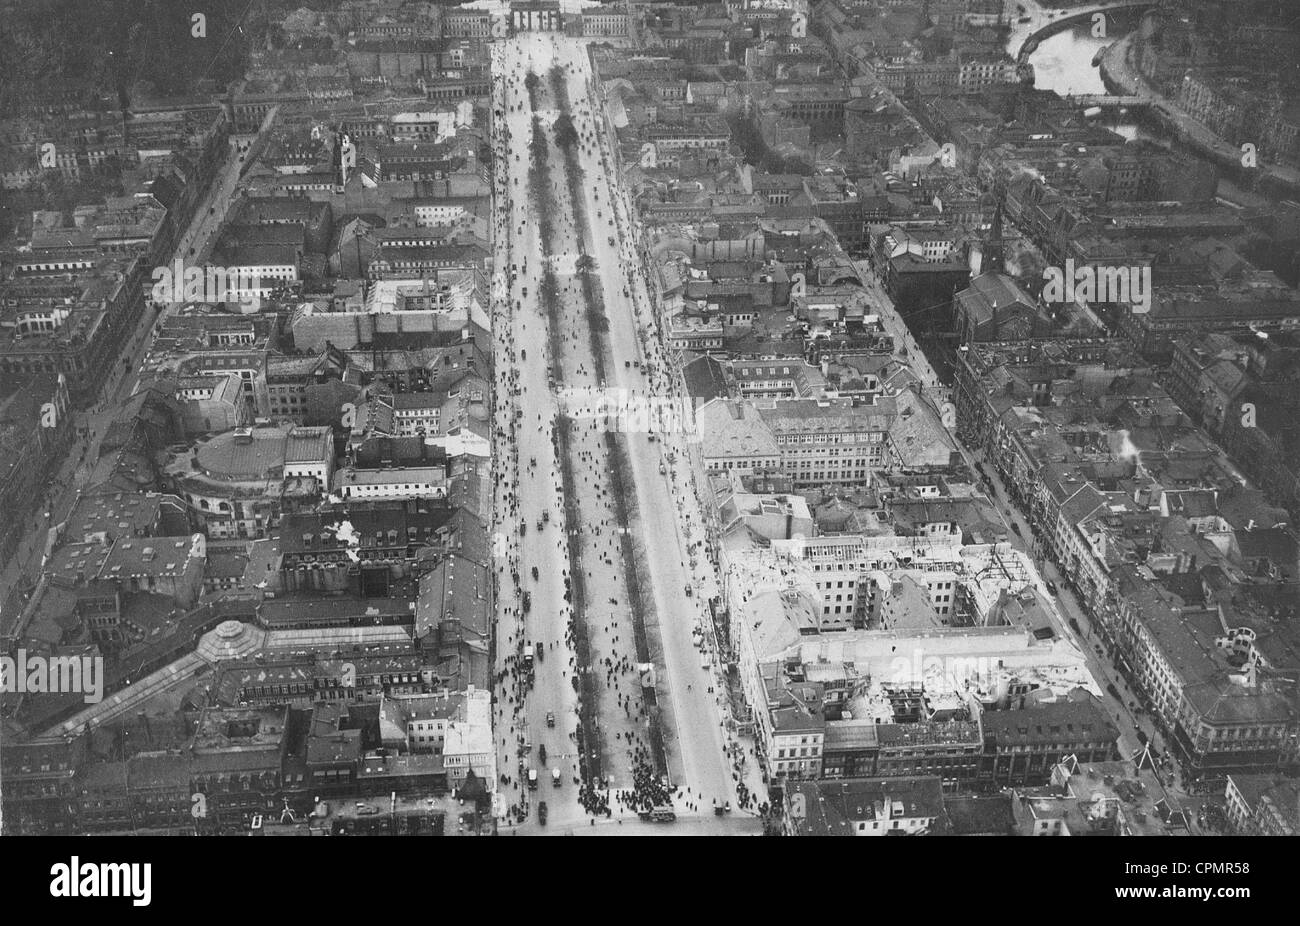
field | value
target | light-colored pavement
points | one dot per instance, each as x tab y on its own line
694	735
667	532
689	824
517	443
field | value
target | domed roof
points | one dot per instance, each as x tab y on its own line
231	640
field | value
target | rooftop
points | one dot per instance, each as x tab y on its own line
834	808
151	556
1082	720
256	453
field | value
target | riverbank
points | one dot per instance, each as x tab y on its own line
1121	77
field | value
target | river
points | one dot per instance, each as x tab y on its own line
1063	63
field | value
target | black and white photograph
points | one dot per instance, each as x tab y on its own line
777	418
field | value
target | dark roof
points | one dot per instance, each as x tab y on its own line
980	816
705	379
158	770
1272	543
993	289
1058	722
832	808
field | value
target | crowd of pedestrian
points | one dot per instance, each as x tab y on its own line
615	673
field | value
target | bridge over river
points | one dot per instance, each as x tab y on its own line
1045	21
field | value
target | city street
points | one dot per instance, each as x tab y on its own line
530	521
893	323
124	376
517	419
1022	538
1087	640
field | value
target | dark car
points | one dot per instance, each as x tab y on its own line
1016	527
1051	587
541	813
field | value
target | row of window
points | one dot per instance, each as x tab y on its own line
825	475
795	766
869	437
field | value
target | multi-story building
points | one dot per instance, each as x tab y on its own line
1023	746
450	724
536	15
1180	312
1208	373
1262	805
950	750
604	22
1208	684
736	438
417	414
233	482
700	134
824	441
1231	103
794	741
419	723
864	807
844	440
999	416
466	24
414	482
35	430
73	320
40	793
852	573
212	403
158	785
837	202
995	308
976	74
236	762
821	105
289	379
695	333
